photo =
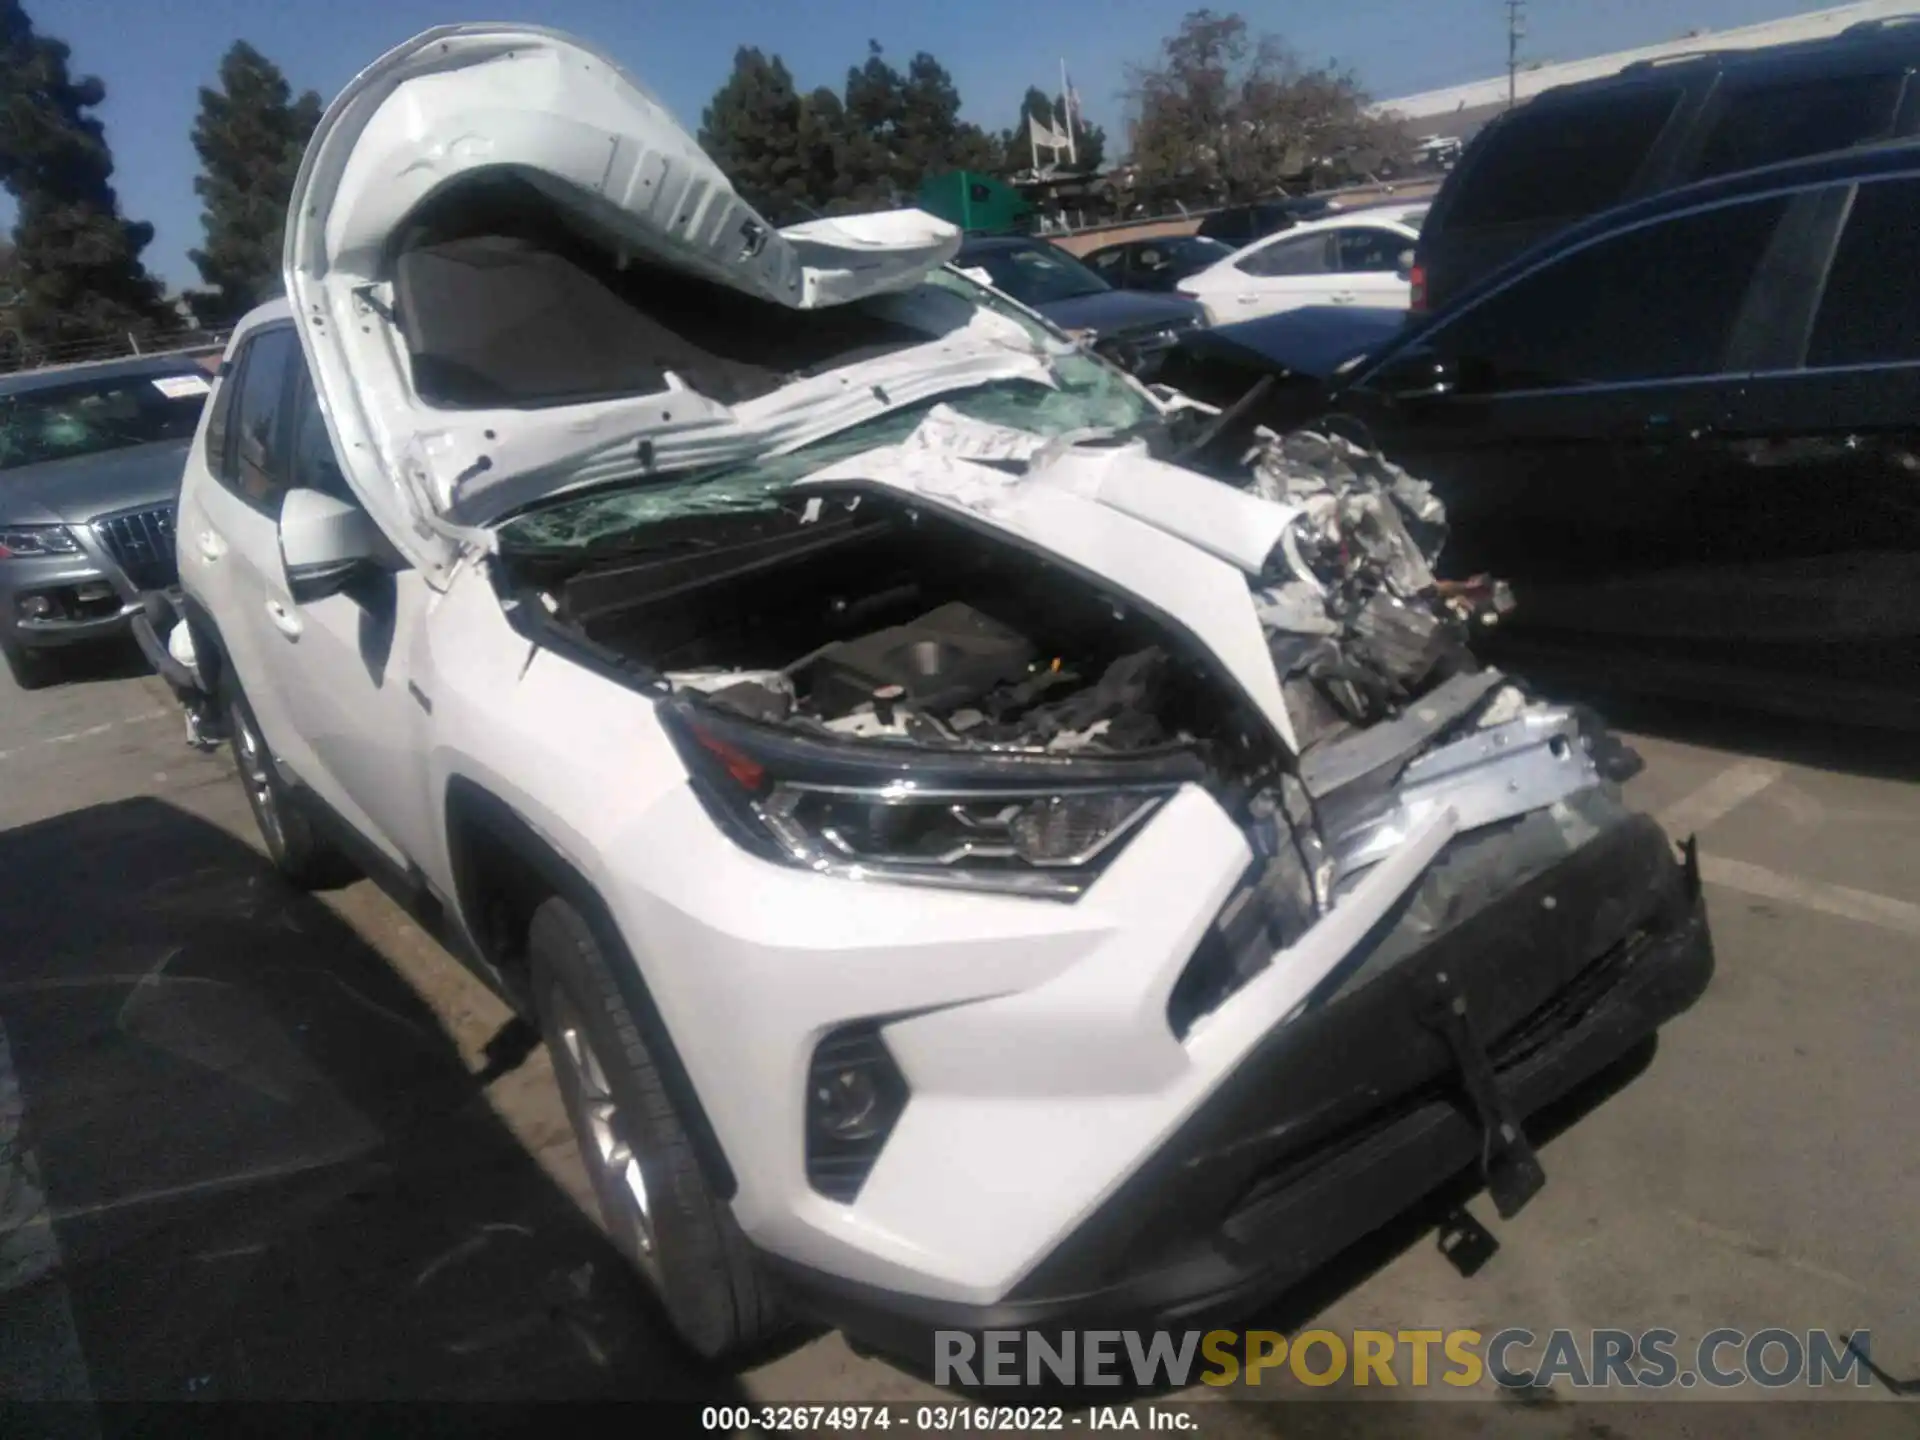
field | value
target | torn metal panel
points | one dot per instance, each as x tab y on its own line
1381	752
1491	775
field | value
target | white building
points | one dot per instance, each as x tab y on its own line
1459	110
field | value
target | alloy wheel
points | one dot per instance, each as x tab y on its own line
256	773
606	1146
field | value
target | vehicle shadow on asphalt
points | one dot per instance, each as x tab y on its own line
93	663
269	1171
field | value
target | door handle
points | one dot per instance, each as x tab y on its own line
1342	297
284	620
211	546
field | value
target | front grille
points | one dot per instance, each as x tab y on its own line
141	543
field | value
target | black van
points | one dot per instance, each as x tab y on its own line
1579	149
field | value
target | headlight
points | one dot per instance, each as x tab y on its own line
1025	824
21	542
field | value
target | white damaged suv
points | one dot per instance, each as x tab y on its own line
979	857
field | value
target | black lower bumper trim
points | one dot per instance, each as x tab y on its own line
1564	976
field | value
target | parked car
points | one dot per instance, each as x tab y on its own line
1364	258
90	459
1579	149
1291	356
966	873
1239	225
1686	432
1157	264
1131	328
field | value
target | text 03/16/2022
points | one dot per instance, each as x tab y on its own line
939	1419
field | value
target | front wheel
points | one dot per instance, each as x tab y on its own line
297	851
653	1194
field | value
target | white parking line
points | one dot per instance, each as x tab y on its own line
88	733
40	1354
1719	797
1901	916
1724	794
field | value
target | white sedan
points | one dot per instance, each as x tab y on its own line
1362	257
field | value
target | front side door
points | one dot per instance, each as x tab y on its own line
1575	410
347	666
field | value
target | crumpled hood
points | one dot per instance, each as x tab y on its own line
561	116
1261	577
74	491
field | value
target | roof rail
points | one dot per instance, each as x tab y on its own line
1875	27
1654	62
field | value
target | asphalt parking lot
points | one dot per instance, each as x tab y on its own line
260	1145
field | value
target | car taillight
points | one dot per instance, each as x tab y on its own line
1417	288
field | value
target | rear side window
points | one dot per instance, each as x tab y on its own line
1308	255
256	467
1873	288
1765	125
1645	304
1370	250
1566	159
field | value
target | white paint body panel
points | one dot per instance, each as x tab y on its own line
1043	1069
464	99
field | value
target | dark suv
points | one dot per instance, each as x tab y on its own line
1239	225
1687	431
1579	149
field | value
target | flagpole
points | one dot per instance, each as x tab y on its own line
1066	104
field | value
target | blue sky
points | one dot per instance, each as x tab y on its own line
154	54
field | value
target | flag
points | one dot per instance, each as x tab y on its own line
1042	133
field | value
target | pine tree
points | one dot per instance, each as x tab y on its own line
250	135
824	153
755	130
80	273
911	124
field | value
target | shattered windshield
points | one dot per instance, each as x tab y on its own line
62	422
1086	394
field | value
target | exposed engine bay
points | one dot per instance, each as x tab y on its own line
859	616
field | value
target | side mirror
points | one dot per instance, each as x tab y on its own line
325	543
1404	265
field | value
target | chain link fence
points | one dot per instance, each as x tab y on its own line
19	354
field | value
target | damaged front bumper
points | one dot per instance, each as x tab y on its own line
1347	1114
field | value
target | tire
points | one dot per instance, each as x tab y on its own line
303	858
30	669
675	1231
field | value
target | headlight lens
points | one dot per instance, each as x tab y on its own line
26	541
1023	825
